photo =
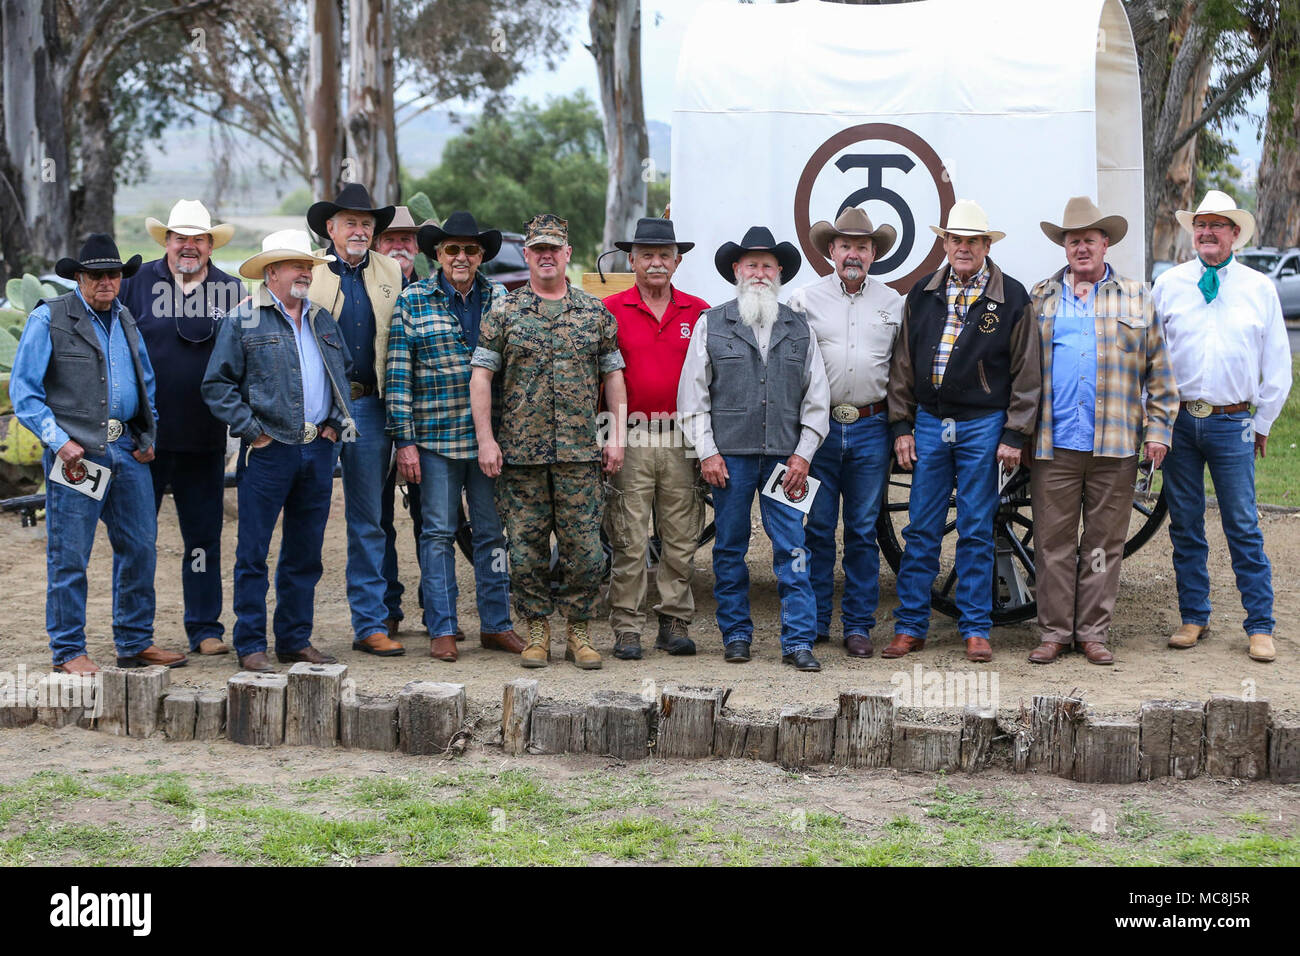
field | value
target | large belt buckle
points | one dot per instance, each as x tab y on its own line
114	429
357	390
845	414
1199	409
309	432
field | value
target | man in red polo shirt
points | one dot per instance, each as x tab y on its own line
654	331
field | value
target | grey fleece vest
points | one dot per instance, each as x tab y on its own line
754	406
76	382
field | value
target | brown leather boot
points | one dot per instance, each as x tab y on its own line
902	644
379	644
444	648
1187	635
578	647
151	655
507	641
1047	652
1261	648
978	650
211	646
81	664
537	652
1096	652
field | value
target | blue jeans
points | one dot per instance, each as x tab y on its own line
70	519
365	472
441	481
393	589
948	452
732	506
197	481
1227	444
852	462
298	480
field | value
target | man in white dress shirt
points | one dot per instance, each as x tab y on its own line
753	396
1228	343
856	320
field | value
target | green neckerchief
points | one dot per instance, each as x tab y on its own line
1209	284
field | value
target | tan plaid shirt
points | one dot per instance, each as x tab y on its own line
961	296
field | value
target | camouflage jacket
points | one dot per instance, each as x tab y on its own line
550	371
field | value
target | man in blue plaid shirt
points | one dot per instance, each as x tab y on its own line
434	332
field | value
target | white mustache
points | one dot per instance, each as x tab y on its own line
401	254
656	271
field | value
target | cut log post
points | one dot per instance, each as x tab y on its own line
112	701
687	716
1054	723
747	737
517	702
1107	751
429	715
368	723
558	727
15	709
1172	740
1236	738
619	725
145	689
805	738
255	709
210	715
180	710
864	727
1284	751
925	747
311	707
979	725
64	700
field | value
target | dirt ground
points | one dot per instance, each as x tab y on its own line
1144	670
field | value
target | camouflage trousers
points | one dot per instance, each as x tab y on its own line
568	499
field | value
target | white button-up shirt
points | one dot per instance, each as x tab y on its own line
855	333
693	400
1234	349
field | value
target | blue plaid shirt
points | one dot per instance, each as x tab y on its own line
428	368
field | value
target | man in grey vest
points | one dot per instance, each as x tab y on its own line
83	384
753	397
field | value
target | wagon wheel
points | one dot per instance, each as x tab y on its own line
1013	530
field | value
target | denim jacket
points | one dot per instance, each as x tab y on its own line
253	382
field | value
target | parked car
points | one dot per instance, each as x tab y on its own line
508	267
1283	267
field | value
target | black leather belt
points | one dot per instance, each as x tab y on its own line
361	391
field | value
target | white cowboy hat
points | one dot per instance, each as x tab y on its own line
278	247
966	218
1082	213
1217	203
189	217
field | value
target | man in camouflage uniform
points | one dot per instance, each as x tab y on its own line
553	345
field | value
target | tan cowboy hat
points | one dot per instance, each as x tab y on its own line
1217	203
402	222
189	217
1082	213
279	247
852	222
966	218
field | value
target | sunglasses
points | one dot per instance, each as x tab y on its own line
99	274
455	248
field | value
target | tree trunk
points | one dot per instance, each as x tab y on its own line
1176	186
92	202
616	45
1278	211
371	123
324	134
36	224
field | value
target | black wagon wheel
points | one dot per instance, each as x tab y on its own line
1013	539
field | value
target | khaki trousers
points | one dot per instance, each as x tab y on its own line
1077	577
657	478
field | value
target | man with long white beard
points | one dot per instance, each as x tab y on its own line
753	396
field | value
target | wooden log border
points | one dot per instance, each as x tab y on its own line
1223	737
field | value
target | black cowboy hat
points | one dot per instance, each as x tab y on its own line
459	224
757	239
98	254
353	197
655	232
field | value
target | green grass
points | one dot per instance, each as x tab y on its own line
520	818
1277	477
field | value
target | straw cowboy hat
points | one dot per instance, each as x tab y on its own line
279	247
189	217
757	239
1082	213
852	223
966	218
1217	203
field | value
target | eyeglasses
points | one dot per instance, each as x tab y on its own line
1213	226
470	249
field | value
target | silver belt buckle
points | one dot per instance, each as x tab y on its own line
845	414
1199	409
114	429
309	432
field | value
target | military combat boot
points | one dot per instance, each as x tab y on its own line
578	647
537	652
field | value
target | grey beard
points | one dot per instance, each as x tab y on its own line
757	304
299	292
187	269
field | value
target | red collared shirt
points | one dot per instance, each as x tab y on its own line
654	350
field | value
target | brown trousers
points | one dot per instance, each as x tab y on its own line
656	476
1077	578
